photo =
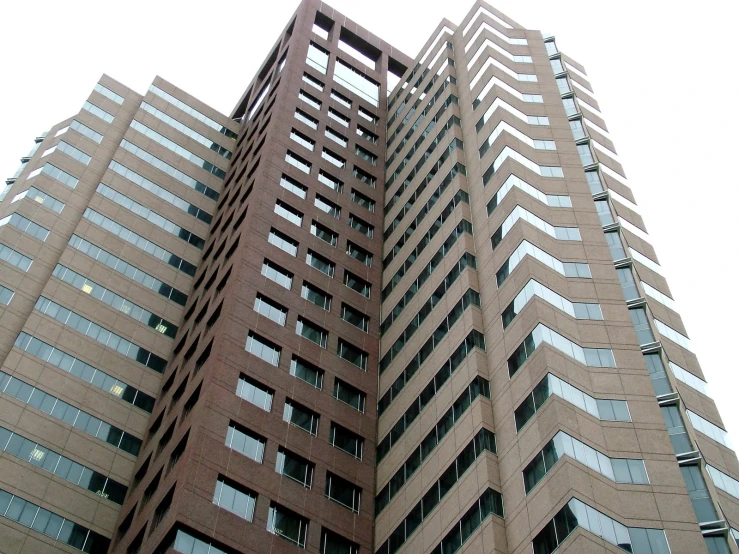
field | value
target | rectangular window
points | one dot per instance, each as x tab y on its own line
316	296
275	273
343	492
349	395
303	140
357	82
312	81
300	416
360	225
363	201
287	524
97	112
312	332
346	440
338	138
359	253
365	177
369	116
333	158
332	543
330	181
254	392
15	258
117	98
288	183
324	233
355	317
365	154
307	372
367	135
288	212
327	206
270	309
234	498
339	117
317	58
245	442
55	173
85	131
283	242
309	120
32	193
641	325
352	354
357	284
25	225
295	467
341	99
309	99
262	348
320	263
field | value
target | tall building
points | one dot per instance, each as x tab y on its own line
388	304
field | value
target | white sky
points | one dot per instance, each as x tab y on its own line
665	75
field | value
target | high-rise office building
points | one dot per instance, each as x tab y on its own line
388	304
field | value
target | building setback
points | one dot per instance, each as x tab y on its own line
386	305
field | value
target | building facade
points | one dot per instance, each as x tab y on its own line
386	305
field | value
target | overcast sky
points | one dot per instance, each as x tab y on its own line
666	79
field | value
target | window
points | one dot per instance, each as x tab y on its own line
254	392
613	240
32	193
303	140
338	138
346	440
288	212
333	158
300	416
352	354
332	543
117	98
570	106
594	182
262	348
365	154
295	467
698	492
287	524
309	99
298	162
604	212
556	63
56	174
620	470
369	116
537	120
316	296
270	309
283	242
343	492
360	225
355	317
245	442
330	181
676	429
288	183
341	99
359	253
577	129
578	514
357	82
357	284
312	81
275	273
365	177
320	263
586	156
363	201
327	206
367	135
15	258
309	120
85	131
578	310
349	395
324	233
234	498
25	225
641	325
307	372
97	112
339	117
317	58
311	331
